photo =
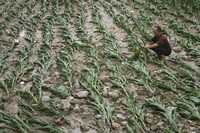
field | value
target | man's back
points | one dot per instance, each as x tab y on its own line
163	45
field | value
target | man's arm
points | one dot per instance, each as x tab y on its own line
152	45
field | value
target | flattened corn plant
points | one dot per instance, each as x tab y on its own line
191	5
3	64
188	109
130	24
14	122
136	115
117	77
80	21
189	40
65	66
24	76
45	126
89	81
110	44
169	113
65	54
44	54
177	27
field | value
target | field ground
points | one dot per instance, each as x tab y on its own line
77	66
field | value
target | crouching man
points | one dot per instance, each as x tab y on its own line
159	44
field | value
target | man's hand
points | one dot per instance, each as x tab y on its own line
144	46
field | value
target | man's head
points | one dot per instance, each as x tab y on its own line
157	31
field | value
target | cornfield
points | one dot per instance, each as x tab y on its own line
79	66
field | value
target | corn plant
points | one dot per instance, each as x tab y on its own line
3	64
37	85
45	126
55	7
168	82
11	10
129	24
44	53
65	66
180	30
145	79
49	109
117	77
9	82
93	85
186	4
191	48
21	64
27	59
188	109
111	46
136	115
15	122
80	21
65	54
44	6
167	112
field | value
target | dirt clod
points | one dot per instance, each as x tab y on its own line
82	94
115	125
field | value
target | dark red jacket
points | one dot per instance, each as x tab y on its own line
163	45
